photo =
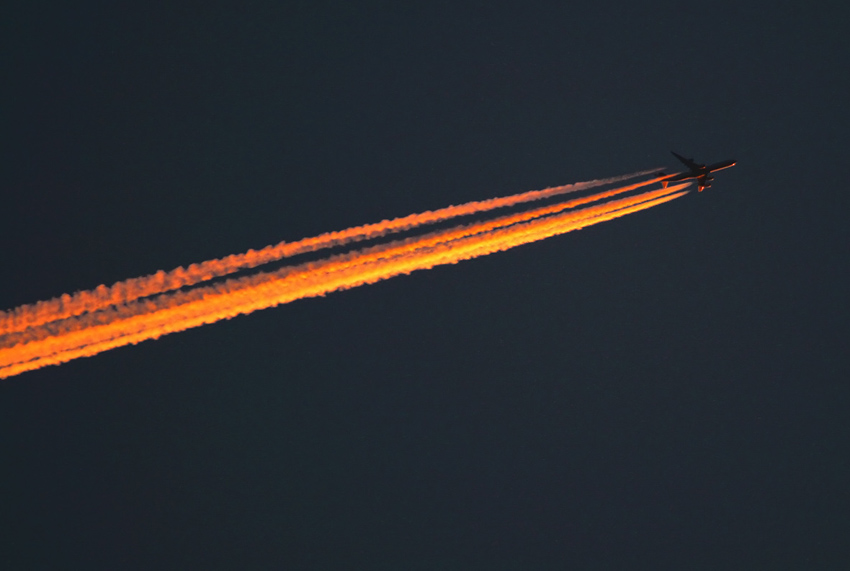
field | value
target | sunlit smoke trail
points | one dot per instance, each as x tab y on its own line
152	318
70	305
384	250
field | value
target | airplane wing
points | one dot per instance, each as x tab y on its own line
687	162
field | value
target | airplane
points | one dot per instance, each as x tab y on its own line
702	173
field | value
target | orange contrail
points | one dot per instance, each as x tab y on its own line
149	319
69	305
389	249
180	311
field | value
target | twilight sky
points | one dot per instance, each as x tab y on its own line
664	390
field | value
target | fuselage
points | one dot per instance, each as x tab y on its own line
720	166
702	173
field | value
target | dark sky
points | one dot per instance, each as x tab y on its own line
668	390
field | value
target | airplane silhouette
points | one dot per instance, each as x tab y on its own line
702	173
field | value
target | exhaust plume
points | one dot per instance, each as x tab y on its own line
69	305
129	320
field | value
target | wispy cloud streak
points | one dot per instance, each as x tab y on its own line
135	320
69	305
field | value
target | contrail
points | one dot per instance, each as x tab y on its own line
70	305
63	339
381	250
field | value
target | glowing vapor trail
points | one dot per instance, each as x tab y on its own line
136	321
70	305
384	250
